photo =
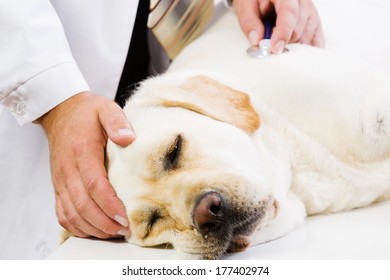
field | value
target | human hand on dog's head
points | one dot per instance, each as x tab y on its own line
296	22
77	131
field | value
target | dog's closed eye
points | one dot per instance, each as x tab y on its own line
155	215
147	219
172	156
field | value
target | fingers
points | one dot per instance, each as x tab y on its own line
286	21
307	35
98	192
297	21
79	212
308	29
70	219
249	18
64	217
315	35
318	38
116	125
86	203
301	24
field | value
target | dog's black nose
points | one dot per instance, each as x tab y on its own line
208	215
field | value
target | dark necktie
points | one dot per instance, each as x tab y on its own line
136	67
175	23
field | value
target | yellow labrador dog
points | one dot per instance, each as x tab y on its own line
233	151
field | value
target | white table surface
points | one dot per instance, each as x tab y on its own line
357	234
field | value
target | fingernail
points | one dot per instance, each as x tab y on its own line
125	132
121	220
124	232
279	47
253	37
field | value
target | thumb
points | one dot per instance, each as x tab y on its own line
248	15
116	125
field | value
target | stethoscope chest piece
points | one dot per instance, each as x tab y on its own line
263	50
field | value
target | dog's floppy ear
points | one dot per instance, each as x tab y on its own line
213	99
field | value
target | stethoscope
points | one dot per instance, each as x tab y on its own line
263	50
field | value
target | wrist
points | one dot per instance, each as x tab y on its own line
51	117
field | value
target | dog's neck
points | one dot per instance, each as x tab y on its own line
275	159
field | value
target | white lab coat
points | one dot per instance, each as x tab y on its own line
49	51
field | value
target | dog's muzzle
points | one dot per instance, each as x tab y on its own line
216	218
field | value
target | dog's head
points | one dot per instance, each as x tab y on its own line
193	177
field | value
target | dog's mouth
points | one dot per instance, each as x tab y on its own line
239	240
225	227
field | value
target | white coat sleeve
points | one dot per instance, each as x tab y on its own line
37	70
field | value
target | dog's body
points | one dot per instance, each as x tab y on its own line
212	171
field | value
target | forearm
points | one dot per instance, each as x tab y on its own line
37	69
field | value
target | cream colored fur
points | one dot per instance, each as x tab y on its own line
293	135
